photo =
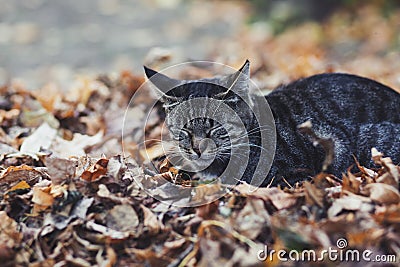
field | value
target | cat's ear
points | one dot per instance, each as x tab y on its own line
238	82
162	83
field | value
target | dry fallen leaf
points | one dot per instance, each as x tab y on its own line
351	183
76	147
153	224
21	186
313	194
19	173
41	138
60	170
393	172
383	193
252	219
34	114
96	171
42	199
279	199
344	203
10	236
122	218
207	211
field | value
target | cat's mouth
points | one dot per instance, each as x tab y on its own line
202	156
193	162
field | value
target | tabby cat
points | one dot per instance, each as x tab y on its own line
355	113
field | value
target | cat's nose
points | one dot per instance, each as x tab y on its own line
196	146
197	151
202	146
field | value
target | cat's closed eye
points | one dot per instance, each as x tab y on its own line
184	133
217	131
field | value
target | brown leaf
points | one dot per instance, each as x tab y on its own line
313	194
383	193
152	152
364	238
20	186
60	170
133	82
388	214
393	172
96	171
19	173
207	192
110	260
77	146
33	114
279	199
175	243
165	165
148	257
351	183
122	218
7	256
282	200
153	224
9	234
48	95
42	198
368	174
9	117
252	218
344	203
207	211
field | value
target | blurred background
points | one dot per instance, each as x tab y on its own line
50	41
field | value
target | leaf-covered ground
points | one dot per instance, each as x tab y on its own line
69	198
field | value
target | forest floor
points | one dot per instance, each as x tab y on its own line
69	197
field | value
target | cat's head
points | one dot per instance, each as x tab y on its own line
206	116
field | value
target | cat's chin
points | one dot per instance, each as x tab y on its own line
203	157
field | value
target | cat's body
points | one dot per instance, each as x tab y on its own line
356	113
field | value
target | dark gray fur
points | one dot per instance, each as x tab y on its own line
356	113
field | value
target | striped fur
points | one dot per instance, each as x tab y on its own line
356	113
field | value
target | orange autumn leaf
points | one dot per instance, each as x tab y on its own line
42	199
96	171
9	234
20	186
19	173
17	168
42	196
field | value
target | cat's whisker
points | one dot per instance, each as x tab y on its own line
230	146
252	145
229	155
259	128
251	132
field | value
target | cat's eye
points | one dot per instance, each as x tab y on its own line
184	133
215	130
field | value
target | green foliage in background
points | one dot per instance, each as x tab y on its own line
287	13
